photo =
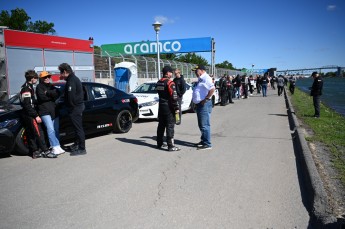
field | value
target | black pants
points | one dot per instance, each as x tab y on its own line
230	95
166	122
258	88
223	97
250	88
316	101
76	115
280	90
35	135
292	89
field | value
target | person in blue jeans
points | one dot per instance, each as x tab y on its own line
47	94
202	94
264	82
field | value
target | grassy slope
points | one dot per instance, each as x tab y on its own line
328	129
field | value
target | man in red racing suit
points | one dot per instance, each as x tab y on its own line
168	107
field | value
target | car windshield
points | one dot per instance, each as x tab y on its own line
149	88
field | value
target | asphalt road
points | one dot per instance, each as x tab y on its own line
248	180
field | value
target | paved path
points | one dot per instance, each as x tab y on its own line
248	180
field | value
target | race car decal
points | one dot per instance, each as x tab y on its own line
104	125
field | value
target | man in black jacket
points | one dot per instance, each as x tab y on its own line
180	85
74	100
168	107
32	121
316	92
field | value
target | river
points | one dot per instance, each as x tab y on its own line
333	92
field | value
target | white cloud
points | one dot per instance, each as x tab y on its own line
331	7
164	20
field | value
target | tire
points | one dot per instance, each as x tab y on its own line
21	144
123	122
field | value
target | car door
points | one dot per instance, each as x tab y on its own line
187	98
100	114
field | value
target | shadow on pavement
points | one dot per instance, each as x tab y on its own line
137	142
177	141
283	115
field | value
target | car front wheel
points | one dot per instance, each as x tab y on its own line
123	121
21	144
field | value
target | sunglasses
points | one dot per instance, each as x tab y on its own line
46	77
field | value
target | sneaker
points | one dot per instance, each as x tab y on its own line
49	154
199	144
73	147
57	150
204	147
60	150
162	146
173	148
79	152
36	154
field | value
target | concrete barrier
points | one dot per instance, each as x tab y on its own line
316	198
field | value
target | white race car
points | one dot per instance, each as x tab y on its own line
148	99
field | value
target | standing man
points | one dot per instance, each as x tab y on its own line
168	107
202	94
229	88
316	92
180	85
32	121
223	90
281	83
74	100
264	82
292	85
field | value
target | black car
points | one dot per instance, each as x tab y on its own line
106	109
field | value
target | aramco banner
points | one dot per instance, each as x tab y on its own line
203	44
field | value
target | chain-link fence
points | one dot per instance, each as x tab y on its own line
147	67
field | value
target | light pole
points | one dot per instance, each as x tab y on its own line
157	27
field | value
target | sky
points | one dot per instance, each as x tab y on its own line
285	34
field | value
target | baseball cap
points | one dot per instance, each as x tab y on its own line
44	74
167	69
201	67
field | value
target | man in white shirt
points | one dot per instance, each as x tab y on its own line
202	94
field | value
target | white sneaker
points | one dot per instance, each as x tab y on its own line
58	150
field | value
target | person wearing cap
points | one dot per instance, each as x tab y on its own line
47	94
31	119
168	107
316	92
202	94
180	85
74	101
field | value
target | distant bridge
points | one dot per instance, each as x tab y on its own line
304	71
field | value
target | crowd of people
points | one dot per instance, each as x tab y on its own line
170	93
241	87
40	106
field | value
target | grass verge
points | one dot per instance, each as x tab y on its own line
328	129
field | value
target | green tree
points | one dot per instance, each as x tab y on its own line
193	59
226	64
18	19
41	27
